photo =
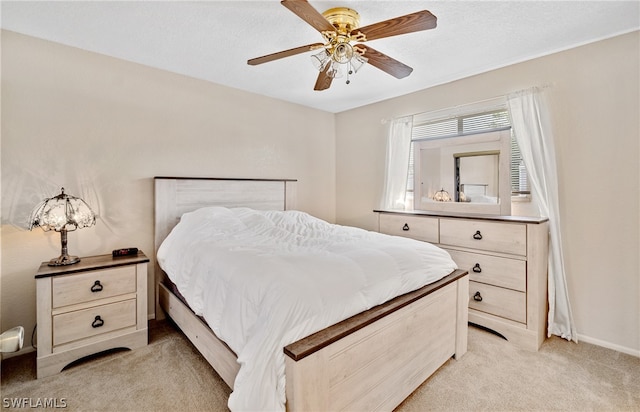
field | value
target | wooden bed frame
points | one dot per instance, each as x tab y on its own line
371	361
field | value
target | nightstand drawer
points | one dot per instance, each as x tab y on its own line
80	324
415	227
492	270
491	236
497	301
98	284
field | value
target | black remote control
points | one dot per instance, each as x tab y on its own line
125	252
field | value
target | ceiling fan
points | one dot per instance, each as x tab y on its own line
340	27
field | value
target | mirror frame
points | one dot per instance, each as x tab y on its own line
495	141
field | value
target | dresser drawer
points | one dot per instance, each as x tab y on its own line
498	301
80	288
492	270
80	324
415	227
500	237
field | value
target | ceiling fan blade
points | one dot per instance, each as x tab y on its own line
418	21
324	80
306	12
284	53
386	64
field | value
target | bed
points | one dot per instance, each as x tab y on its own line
372	360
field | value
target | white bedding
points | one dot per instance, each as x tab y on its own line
265	279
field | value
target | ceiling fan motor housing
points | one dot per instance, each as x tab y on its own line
338	42
343	19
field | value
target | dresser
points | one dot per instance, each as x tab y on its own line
97	304
506	257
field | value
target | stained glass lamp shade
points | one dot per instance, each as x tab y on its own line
442	196
63	213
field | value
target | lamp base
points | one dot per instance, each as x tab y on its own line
64	260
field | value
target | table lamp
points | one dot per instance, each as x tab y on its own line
62	213
442	196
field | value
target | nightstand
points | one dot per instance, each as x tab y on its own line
97	304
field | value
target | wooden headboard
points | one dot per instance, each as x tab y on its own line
175	196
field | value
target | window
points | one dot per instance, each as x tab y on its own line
462	125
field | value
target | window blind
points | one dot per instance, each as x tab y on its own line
471	123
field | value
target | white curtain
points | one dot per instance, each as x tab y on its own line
532	127
397	166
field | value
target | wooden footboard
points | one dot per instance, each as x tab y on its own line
376	359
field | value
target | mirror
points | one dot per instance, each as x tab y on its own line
476	177
467	174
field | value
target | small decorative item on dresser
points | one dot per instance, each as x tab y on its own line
63	213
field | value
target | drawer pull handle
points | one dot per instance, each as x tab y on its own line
97	287
477	235
97	322
405	227
477	297
477	268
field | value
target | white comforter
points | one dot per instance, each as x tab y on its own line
263	280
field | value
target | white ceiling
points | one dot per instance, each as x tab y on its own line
212	40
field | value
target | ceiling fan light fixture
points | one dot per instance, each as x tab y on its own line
320	60
357	62
335	72
342	53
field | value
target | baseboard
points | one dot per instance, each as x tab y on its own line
23	351
609	345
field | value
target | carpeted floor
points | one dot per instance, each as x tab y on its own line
170	375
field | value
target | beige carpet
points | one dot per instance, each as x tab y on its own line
170	375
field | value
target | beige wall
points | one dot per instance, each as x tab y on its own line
594	98
102	128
